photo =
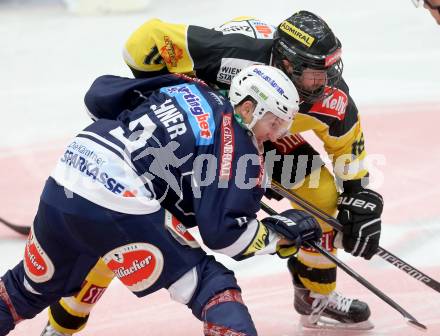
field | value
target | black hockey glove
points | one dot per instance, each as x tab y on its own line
294	225
359	213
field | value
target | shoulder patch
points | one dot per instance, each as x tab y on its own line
236	27
332	106
171	53
247	26
262	29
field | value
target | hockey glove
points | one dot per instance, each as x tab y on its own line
359	213
296	226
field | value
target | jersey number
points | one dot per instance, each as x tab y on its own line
136	139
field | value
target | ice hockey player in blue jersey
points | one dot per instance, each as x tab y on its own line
175	154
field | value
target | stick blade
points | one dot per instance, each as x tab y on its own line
24	230
21	229
416	324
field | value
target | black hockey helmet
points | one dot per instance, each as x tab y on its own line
306	41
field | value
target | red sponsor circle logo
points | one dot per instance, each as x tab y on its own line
137	265
334	105
227	148
37	264
93	294
289	143
170	52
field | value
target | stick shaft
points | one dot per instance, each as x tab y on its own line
333	222
347	269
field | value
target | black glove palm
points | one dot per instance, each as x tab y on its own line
359	213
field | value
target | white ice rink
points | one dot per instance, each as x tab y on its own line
391	53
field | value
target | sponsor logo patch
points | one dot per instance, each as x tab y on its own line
333	58
93	294
248	26
236	27
333	106
289	143
326	242
95	172
170	52
297	33
230	67
269	80
179	231
198	110
227	148
137	265
37	264
265	30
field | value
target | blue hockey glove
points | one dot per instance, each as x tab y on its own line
296	226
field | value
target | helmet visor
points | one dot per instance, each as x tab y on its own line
312	81
294	63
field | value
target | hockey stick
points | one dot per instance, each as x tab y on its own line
347	269
333	222
24	230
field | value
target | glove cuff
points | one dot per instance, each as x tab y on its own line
354	186
272	243
337	240
264	242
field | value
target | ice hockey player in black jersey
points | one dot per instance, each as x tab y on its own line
174	154
306	49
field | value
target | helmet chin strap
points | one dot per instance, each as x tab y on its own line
256	115
249	126
255	118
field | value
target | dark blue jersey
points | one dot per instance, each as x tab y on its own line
172	143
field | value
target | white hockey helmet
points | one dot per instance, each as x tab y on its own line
270	88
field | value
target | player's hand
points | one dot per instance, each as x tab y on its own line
286	248
295	227
359	213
